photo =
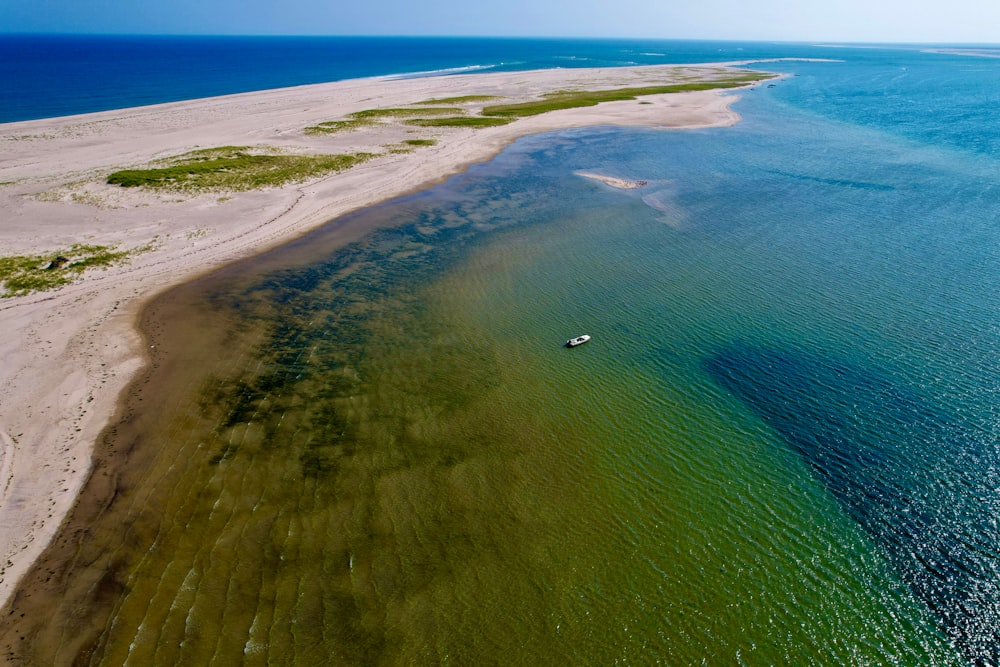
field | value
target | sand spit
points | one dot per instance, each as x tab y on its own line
67	355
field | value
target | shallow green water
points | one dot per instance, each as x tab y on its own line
390	458
778	448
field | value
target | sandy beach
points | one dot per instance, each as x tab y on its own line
67	355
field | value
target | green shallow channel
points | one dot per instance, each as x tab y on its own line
382	454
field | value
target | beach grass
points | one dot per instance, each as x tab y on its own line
463	99
367	117
447	116
409	145
460	121
24	274
334	126
566	99
402	112
234	168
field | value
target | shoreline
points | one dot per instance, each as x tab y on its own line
68	356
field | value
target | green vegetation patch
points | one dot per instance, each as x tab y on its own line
460	121
402	112
369	117
460	100
23	274
409	145
588	98
334	126
234	168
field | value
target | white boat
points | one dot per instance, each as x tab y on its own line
579	340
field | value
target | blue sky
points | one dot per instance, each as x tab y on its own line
789	20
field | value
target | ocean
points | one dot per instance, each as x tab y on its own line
43	76
781	446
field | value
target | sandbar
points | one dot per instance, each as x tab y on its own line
67	355
614	181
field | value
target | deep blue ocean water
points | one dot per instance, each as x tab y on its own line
56	75
782	445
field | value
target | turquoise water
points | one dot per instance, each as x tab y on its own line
780	447
821	277
57	75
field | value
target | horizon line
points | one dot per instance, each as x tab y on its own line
813	42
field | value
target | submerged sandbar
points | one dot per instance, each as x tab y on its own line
615	181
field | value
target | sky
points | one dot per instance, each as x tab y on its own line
943	21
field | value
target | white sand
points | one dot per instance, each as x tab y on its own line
67	355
